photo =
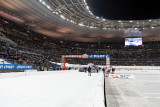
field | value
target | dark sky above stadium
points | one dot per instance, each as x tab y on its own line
125	9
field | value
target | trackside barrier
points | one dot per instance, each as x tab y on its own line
119	68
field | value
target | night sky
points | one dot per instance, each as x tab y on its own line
125	9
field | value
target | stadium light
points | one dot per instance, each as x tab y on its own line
91	27
80	24
87	7
48	7
90	12
62	17
44	3
97	17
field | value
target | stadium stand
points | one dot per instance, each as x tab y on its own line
24	46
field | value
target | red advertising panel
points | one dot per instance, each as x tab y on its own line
73	56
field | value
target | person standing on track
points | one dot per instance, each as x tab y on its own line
89	71
97	69
103	70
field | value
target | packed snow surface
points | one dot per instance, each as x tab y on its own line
51	89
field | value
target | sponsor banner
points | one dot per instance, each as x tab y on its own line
98	56
15	67
120	76
73	56
86	56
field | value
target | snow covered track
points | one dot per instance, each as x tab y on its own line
118	94
51	89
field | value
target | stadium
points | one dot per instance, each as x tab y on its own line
47	46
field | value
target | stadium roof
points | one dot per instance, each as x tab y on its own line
72	20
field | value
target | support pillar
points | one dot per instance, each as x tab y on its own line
64	65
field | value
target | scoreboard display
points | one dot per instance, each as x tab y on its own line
133	41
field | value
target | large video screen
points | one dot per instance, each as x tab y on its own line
133	41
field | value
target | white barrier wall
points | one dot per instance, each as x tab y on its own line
137	69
